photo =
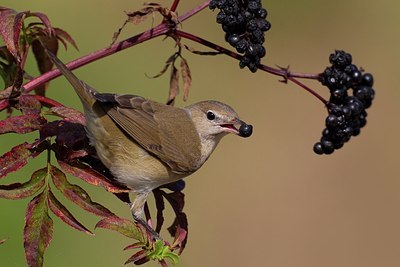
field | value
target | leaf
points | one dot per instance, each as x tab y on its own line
27	189
134	246
177	201
124	227
173	85
137	17
187	78
18	156
68	134
160	206
45	20
138	258
169	61
203	53
65	215
161	252
7	29
29	104
2	241
180	238
69	114
77	194
38	230
64	37
43	62
22	124
8	71
90	176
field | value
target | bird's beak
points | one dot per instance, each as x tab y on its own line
245	130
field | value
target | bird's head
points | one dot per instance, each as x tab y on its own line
214	119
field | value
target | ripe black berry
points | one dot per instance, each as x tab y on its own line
346	113
244	24
245	130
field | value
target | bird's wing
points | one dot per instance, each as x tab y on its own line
164	131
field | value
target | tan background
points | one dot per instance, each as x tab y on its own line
263	201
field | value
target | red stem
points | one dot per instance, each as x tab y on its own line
308	89
174	5
283	72
48	102
137	39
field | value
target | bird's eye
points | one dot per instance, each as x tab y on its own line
210	115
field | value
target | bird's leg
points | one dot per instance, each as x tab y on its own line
137	210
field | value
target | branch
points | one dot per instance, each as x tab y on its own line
161	29
282	72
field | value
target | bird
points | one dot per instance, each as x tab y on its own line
146	144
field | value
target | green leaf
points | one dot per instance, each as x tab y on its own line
161	252
19	191
77	194
123	226
65	215
172	256
38	230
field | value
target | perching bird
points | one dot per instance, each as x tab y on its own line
146	144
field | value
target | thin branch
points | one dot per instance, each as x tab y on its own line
174	5
283	72
161	29
48	102
308	89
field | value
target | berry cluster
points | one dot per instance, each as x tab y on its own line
347	113
244	23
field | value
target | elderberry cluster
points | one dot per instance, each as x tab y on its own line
244	23
347	113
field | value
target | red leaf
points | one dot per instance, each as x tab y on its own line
17	27
77	194
90	176
134	246
70	114
7	18
8	71
45	20
160	205
63	213
63	35
43	62
18	190
22	124
180	238
138	258
17	158
38	230
123	226
29	104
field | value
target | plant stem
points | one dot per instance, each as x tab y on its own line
137	39
283	72
174	5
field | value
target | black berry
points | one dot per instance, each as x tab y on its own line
244	24
346	113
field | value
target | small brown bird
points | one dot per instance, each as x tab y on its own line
146	144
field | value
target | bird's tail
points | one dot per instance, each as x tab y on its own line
83	90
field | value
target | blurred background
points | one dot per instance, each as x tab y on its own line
263	201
